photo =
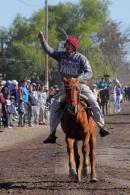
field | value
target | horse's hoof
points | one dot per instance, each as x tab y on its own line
84	173
72	174
78	179
93	180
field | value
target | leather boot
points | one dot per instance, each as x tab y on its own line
50	140
103	132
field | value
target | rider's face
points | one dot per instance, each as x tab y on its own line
69	47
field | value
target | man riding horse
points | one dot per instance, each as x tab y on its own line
72	64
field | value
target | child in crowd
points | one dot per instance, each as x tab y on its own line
10	110
21	111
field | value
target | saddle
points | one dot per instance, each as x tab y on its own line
84	101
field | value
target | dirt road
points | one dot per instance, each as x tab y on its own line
29	167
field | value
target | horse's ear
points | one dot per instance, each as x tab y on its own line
78	80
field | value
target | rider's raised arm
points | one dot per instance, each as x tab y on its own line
86	69
47	48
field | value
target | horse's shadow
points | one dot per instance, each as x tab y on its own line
24	185
6	185
15	185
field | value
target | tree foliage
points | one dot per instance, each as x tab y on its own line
100	40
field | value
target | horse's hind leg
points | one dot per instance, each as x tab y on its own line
109	107
103	109
70	150
77	161
106	108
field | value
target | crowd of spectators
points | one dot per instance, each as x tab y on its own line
28	103
25	103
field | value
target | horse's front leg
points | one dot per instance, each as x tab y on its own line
92	156
85	149
106	108
70	150
109	107
77	161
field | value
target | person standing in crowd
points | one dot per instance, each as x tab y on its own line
0	106
118	98
14	89
102	84
42	97
36	104
51	96
125	93
25	97
128	92
21	112
8	111
28	84
94	90
107	79
5	89
3	110
31	104
12	110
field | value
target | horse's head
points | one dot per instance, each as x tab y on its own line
71	87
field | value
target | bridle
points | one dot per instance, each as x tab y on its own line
72	92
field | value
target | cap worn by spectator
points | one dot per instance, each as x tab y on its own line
28	81
94	85
12	97
3	82
34	84
15	82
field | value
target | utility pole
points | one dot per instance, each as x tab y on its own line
46	36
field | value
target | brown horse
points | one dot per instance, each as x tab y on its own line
103	99
78	126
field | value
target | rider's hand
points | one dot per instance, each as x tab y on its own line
41	36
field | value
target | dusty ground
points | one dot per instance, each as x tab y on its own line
29	167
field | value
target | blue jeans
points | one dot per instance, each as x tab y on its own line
118	103
56	113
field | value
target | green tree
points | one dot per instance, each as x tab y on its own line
113	45
86	20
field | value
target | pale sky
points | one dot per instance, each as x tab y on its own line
119	10
10	8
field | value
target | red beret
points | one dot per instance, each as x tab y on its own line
73	41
